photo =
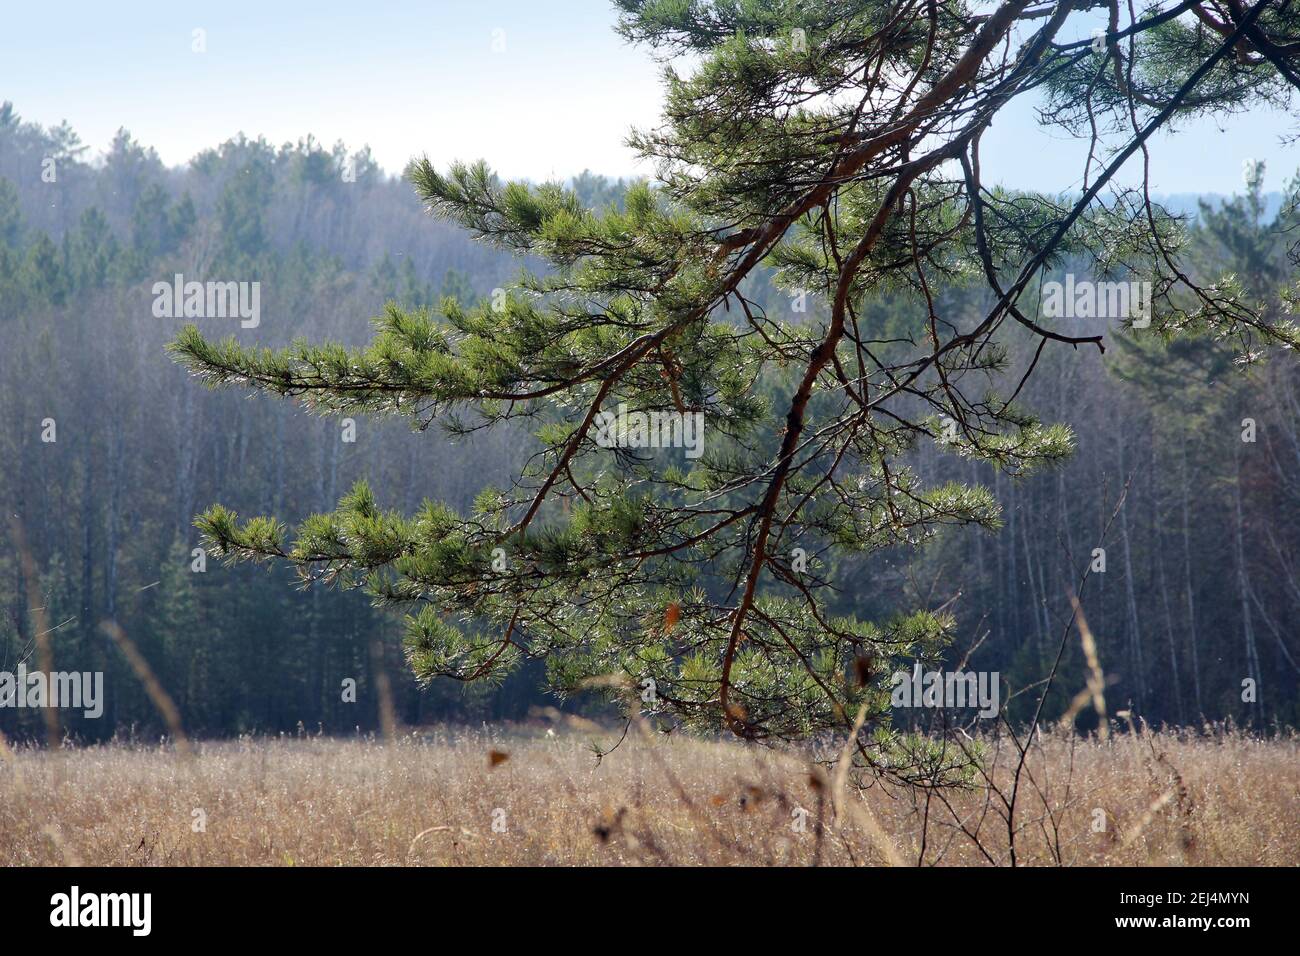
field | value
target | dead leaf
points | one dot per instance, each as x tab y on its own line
863	669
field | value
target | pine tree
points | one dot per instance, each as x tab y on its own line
45	273
11	215
182	637
836	144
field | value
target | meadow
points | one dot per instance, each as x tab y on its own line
541	796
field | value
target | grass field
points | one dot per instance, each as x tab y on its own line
457	797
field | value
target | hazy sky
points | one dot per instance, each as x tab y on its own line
414	77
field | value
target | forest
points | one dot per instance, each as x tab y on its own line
110	449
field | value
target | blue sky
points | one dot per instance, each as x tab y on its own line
423	77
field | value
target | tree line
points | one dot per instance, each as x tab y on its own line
1198	577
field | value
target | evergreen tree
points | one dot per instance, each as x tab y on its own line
11	215
46	272
838	143
92	251
183	640
241	212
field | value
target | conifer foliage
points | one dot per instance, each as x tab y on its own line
834	145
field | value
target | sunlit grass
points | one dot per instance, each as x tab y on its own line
433	798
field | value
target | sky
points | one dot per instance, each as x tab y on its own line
541	89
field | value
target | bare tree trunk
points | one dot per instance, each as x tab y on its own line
116	453
1134	628
1187	587
279	454
1012	602
1169	632
1032	585
1243	589
87	561
185	459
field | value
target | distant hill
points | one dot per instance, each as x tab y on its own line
1188	204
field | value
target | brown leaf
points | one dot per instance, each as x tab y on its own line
497	757
863	669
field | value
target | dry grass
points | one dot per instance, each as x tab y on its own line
432	799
